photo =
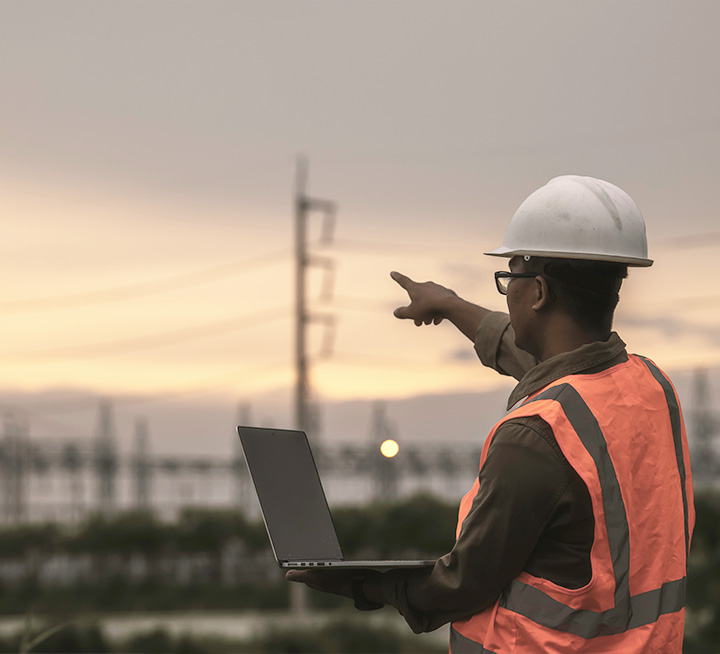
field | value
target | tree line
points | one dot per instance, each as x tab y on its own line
218	559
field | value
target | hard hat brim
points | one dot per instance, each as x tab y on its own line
503	251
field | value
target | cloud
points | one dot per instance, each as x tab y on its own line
464	354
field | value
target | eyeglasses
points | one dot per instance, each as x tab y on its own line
502	279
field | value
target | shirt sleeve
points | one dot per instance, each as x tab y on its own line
520	483
495	345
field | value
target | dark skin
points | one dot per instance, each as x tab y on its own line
336	582
542	327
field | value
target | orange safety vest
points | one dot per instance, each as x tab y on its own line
622	431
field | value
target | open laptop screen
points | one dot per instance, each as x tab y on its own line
288	486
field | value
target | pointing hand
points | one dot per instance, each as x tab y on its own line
428	301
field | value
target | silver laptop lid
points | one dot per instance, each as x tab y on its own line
293	503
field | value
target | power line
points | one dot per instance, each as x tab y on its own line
80	403
700	303
37	404
381	360
384	248
35	416
226	381
689	241
385	307
142	289
156	340
214	273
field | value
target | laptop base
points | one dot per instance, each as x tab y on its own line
364	565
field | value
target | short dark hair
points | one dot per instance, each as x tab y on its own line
588	290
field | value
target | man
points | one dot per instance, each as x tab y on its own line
575	535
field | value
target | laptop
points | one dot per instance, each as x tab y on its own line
293	503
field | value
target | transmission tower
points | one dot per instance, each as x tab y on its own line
703	424
106	463
142	469
14	458
386	467
241	475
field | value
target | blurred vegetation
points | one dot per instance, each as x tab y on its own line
207	559
347	636
218	560
382	530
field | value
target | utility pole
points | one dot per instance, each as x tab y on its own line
304	421
303	206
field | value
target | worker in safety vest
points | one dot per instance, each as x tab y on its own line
575	534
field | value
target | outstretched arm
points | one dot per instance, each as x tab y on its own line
431	303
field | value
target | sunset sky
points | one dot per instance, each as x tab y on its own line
147	158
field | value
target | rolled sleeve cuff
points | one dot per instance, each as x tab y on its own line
488	339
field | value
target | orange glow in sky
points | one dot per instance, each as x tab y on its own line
115	305
146	193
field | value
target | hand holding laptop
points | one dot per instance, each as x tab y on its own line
337	582
363	588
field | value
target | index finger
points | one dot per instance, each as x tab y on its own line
401	279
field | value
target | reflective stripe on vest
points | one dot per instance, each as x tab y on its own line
461	645
676	423
627	612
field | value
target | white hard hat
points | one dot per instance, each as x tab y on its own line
574	217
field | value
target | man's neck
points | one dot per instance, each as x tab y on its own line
566	337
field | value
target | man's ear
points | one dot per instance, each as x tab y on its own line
543	295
